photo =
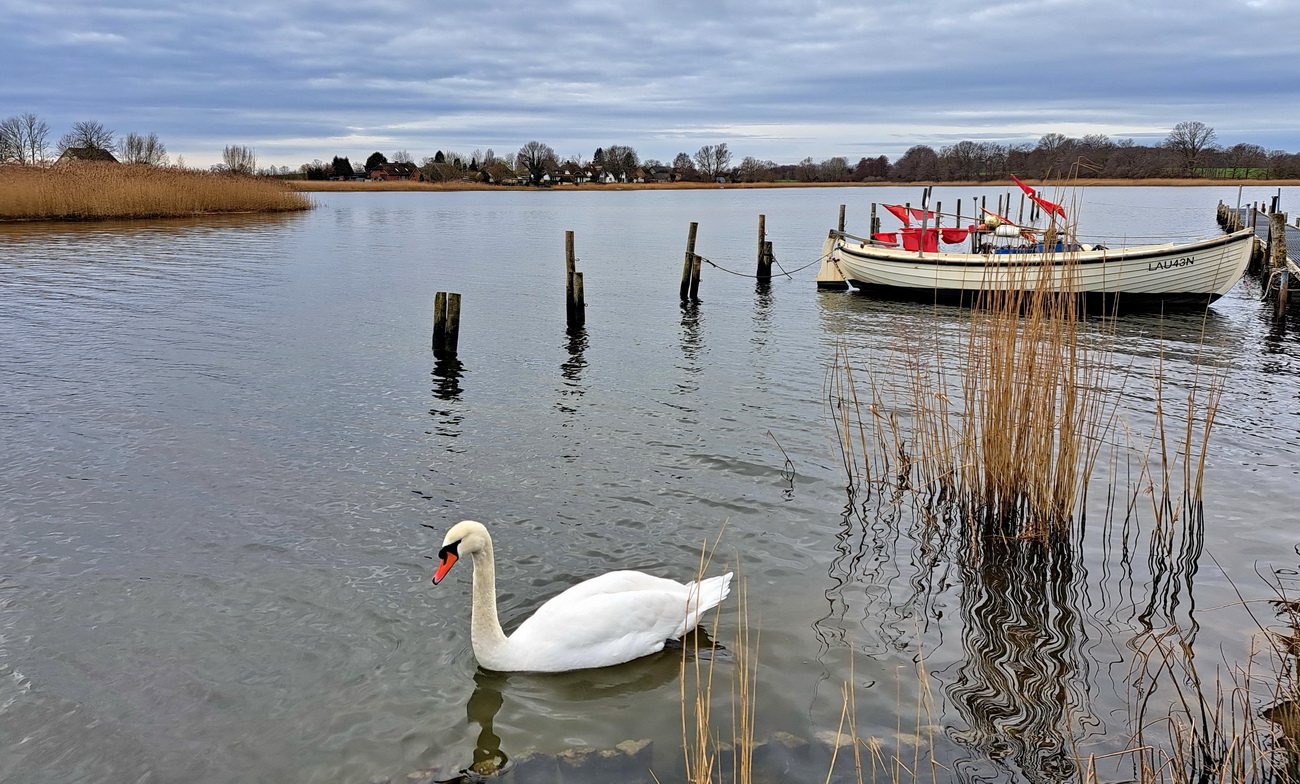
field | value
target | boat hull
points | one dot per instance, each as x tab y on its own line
1149	276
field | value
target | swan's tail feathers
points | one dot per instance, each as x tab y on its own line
705	595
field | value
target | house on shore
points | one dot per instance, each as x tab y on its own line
85	155
396	171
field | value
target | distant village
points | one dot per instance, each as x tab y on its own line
1189	150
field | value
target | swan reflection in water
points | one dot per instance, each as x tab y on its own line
551	700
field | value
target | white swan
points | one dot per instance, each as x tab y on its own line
610	619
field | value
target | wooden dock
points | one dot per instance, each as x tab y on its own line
1277	243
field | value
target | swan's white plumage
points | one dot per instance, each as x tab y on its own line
610	619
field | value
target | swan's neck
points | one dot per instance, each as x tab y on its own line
485	630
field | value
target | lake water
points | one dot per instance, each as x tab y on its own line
229	454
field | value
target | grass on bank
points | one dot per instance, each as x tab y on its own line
105	191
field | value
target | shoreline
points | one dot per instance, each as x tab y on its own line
326	186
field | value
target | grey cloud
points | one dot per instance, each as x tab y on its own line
762	75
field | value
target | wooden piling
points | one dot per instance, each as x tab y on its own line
841	217
688	265
439	321
575	305
765	262
453	324
1277	239
696	268
446	324
875	222
762	238
579	303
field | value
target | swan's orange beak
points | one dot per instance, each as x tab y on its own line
448	561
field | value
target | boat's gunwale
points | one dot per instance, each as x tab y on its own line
1038	260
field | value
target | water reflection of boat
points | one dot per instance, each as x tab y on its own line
1008	257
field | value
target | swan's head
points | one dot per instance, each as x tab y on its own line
465	538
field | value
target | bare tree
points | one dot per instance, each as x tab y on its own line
402	156
683	167
144	149
1245	159
753	170
536	158
88	134
619	160
920	162
24	138
238	160
712	161
1188	140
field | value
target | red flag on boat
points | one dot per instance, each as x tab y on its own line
1028	190
1049	207
890	237
900	212
921	215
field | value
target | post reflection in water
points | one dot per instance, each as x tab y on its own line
447	412
446	378
571	370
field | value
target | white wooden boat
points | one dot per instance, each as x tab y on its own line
1148	276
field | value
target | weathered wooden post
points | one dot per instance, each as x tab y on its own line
765	262
696	268
762	238
688	265
575	305
579	318
841	224
875	222
446	324
1277	247
1277	239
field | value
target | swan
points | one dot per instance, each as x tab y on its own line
607	620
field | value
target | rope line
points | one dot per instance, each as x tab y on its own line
784	271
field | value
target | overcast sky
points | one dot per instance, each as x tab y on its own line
774	79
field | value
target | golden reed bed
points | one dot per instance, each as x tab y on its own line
102	191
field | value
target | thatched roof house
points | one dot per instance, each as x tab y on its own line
84	154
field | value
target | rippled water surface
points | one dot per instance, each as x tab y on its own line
229	453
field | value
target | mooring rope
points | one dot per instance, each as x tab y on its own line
784	271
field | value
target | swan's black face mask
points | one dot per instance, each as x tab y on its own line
447	558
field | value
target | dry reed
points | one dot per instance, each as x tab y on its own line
102	191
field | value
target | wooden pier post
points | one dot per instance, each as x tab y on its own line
575	307
765	262
875	222
762	238
446	324
1277	239
696	268
688	265
579	318
841	217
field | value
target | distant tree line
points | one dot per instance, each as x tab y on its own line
1189	150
